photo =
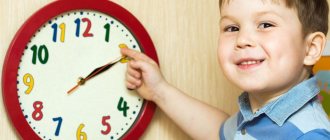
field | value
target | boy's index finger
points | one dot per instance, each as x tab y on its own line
134	54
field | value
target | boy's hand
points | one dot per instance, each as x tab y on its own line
143	74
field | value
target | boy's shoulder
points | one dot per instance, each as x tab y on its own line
311	117
308	123
297	114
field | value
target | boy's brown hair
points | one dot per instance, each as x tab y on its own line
313	14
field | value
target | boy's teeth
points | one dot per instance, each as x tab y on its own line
249	62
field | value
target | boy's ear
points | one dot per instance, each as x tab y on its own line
315	44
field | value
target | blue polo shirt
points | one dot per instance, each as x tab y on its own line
297	114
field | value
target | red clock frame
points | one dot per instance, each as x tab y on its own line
28	29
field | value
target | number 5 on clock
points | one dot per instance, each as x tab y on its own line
106	124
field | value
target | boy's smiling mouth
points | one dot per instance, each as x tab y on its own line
248	63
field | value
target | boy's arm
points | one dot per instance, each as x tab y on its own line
198	120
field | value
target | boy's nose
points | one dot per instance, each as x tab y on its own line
244	40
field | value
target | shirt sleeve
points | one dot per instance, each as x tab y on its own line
222	136
316	134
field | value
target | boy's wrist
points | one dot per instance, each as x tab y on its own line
160	91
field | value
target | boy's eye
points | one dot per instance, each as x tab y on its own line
231	29
265	25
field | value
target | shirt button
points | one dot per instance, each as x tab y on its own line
243	131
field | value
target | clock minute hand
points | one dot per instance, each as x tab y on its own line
97	71
103	68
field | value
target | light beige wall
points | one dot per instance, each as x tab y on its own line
185	33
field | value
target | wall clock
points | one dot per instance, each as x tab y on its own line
61	42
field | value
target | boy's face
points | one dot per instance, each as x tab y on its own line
261	46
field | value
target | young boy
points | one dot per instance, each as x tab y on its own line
267	48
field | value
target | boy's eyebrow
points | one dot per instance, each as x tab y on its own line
229	17
223	17
257	14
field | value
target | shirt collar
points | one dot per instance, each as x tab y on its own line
282	108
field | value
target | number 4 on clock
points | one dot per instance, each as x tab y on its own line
122	106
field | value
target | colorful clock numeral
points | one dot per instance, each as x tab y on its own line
41	53
78	21
37	113
80	134
107	32
62	27
122	106
106	124
59	124
87	30
28	81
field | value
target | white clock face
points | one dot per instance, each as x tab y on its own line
69	46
